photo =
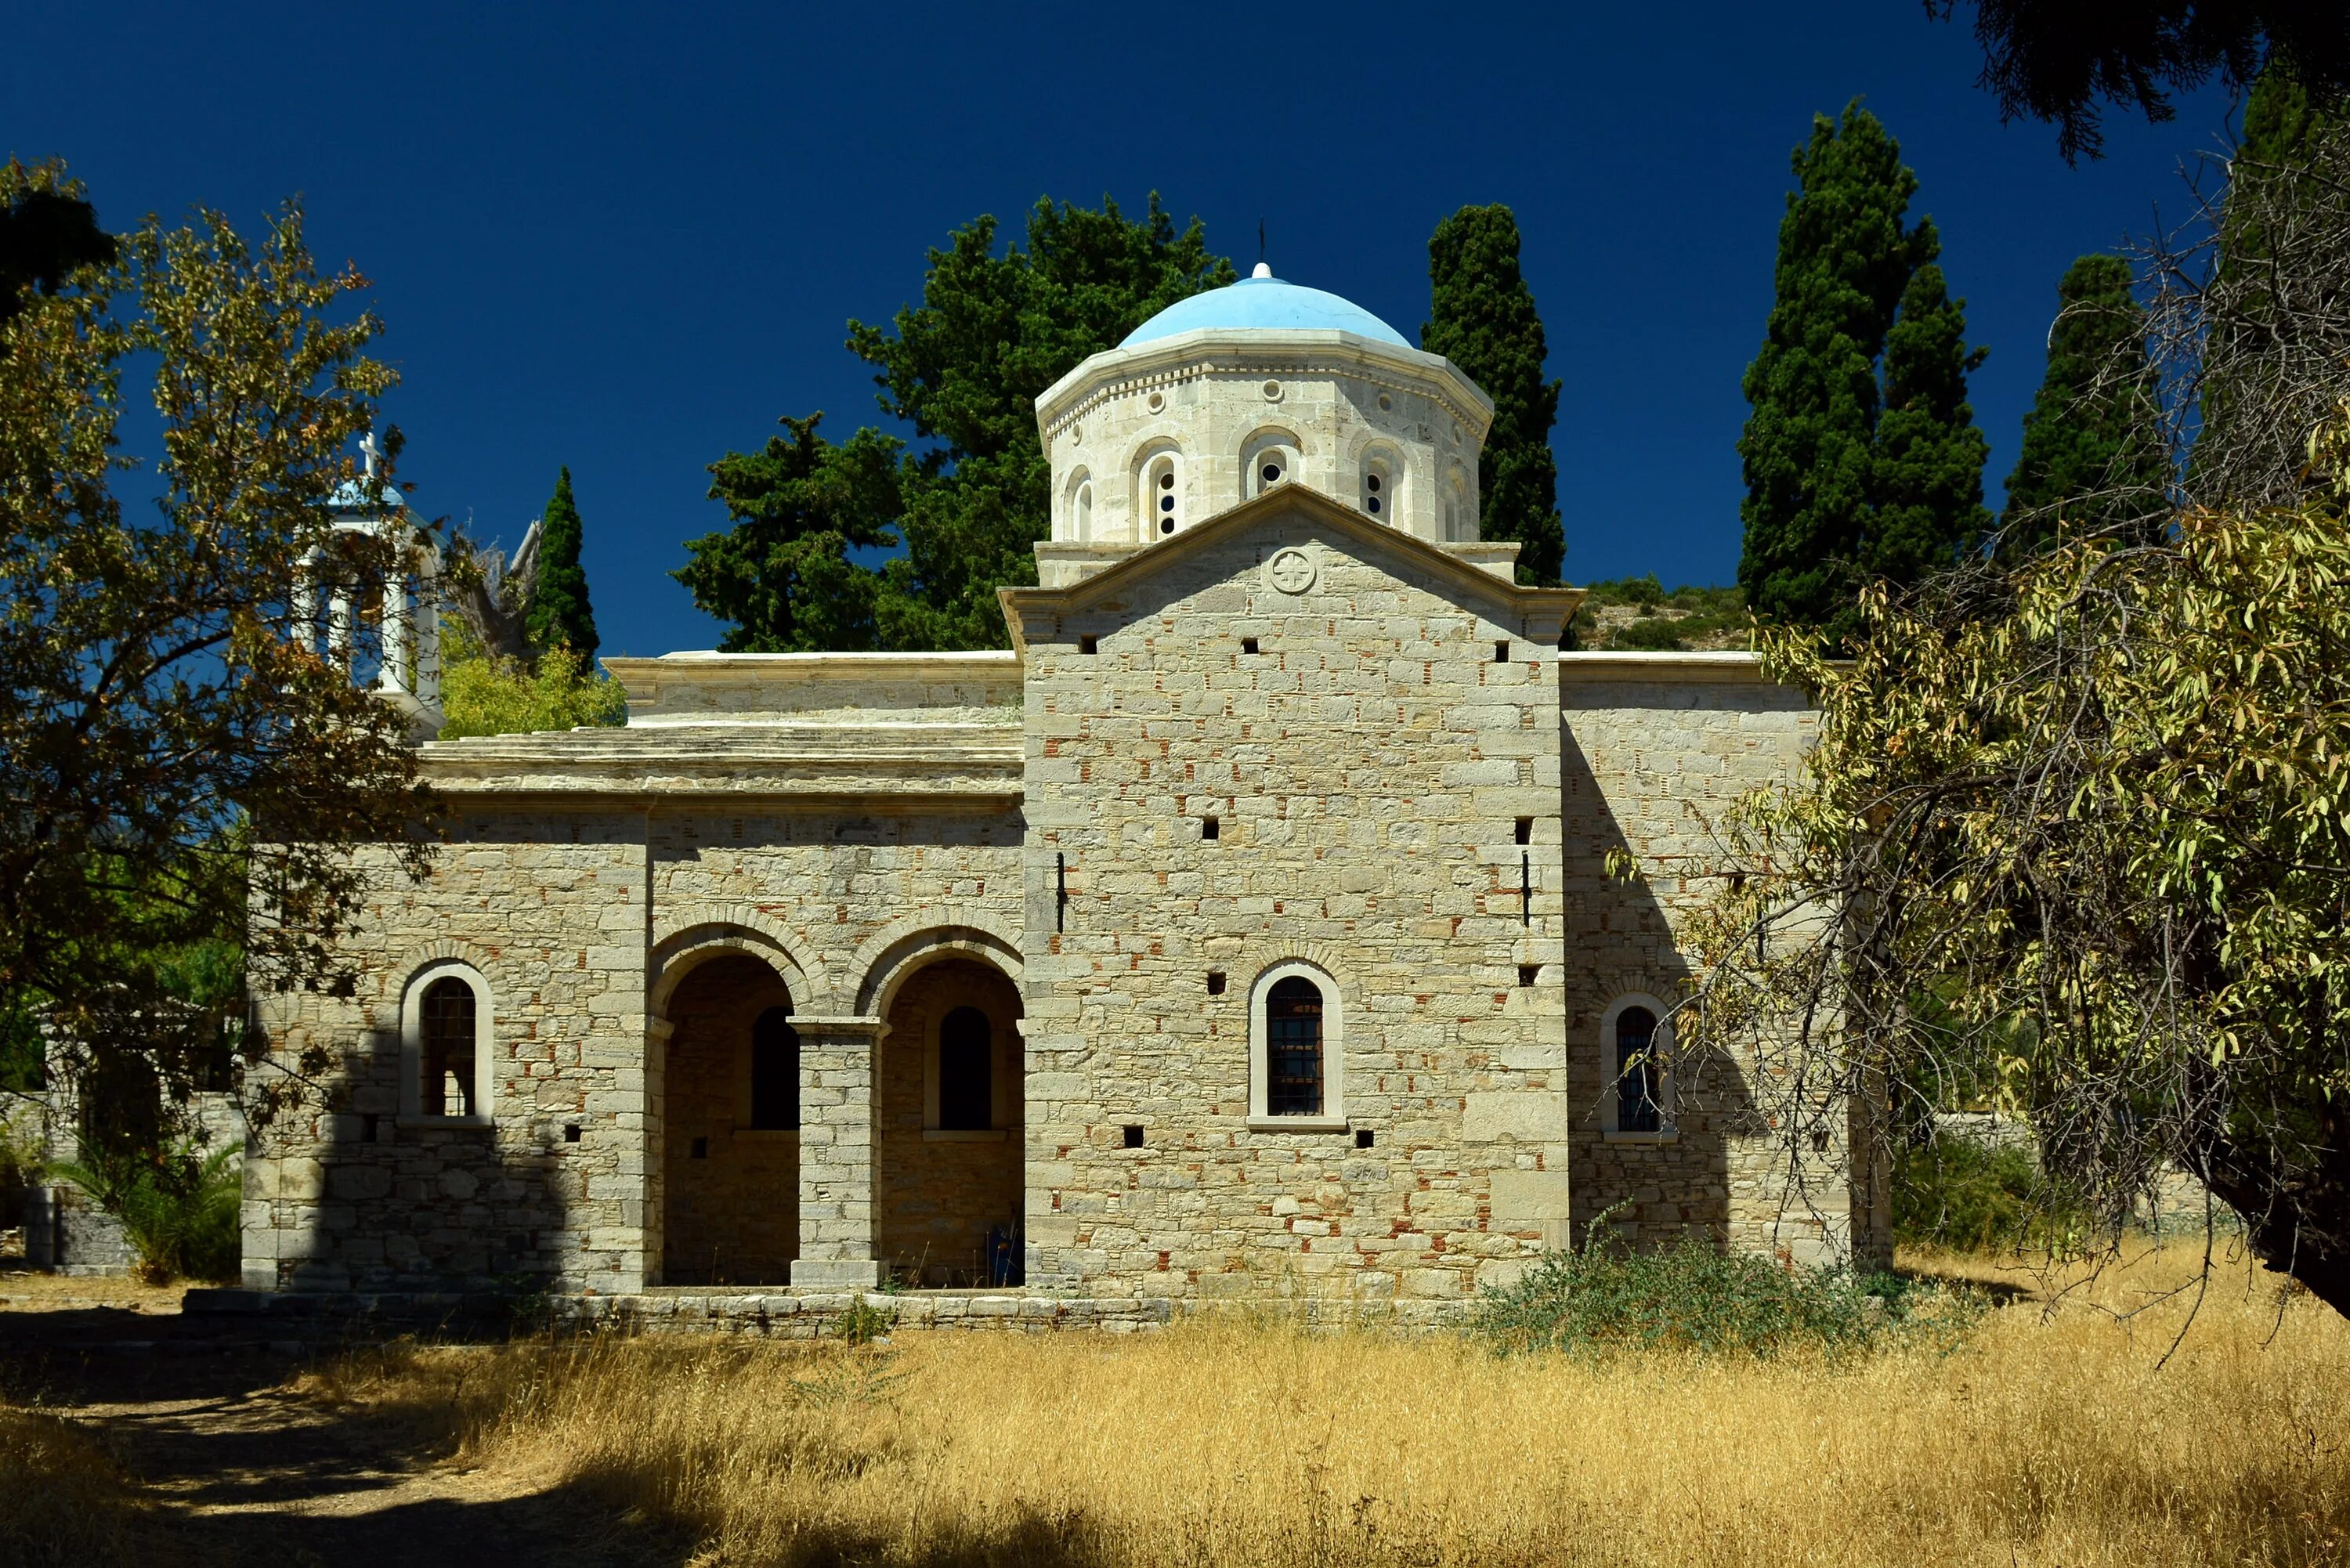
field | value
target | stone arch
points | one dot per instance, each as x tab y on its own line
686	938
1376	449
1160	442
949	1201
1275	440
1077	505
905	945
392	982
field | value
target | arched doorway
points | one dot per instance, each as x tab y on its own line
730	1142
950	1153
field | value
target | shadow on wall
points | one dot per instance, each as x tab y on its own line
1657	1166
436	1157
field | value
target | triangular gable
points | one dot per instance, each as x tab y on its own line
1377	539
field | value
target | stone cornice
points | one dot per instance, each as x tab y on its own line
1730	667
1216	352
977	761
728	682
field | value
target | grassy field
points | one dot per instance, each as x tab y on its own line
2072	1434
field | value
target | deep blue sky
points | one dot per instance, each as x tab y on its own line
628	238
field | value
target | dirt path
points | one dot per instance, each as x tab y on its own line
241	1471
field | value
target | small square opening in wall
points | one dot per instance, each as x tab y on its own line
1525	830
1215	982
699	1150
1500	653
571	1132
1362	1139
1248	645
1528	973
1090	645
1133	1132
1211	827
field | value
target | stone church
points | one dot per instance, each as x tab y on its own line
1244	929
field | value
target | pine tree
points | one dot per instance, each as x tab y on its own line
1836	492
2092	457
782	573
560	615
1926	501
995	328
1482	318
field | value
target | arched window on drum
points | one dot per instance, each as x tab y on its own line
1377	484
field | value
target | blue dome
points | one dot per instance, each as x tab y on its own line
1264	305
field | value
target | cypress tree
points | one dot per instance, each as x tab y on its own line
560	615
1925	504
2092	457
2271	361
1482	318
1847	477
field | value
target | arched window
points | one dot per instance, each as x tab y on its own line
444	1044
1638	1083
1086	510
1292	1048
1634	1043
1162	498
1459	523
1268	460
445	1087
775	1072
1377	490
966	1072
1296	1072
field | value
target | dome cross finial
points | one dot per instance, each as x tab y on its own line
1262	271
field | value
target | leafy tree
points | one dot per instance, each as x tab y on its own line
2052	61
560	615
186	772
964	369
1834	493
1482	318
1926	501
2093	458
2092	800
47	231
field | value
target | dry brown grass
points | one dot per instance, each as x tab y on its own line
2043	1438
63	1498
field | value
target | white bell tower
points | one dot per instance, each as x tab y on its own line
403	598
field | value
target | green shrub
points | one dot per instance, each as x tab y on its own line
1652	634
1696	1297
21	1159
480	695
1973	1197
179	1210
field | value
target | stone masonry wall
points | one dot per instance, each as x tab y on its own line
576	915
1655	751
346	1193
1368	766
